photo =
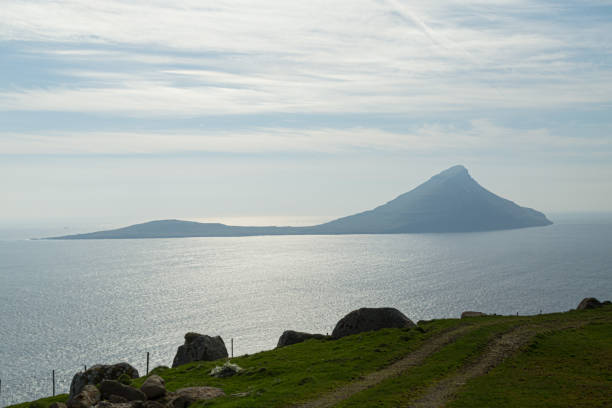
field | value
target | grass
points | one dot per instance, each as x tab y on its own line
558	369
391	392
296	373
43	402
569	368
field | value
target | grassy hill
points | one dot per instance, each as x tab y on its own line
552	360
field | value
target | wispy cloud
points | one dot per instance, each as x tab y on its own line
155	58
481	136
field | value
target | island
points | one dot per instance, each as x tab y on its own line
451	201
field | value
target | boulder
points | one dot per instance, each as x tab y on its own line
153	404
109	404
174	400
199	347
472	314
116	399
368	319
193	394
96	374
589	303
86	398
290	337
111	387
154	387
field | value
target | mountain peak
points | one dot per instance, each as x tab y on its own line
450	201
458	170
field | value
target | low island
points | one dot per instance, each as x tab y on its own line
451	201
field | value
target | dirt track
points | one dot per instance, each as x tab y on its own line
443	391
496	352
411	360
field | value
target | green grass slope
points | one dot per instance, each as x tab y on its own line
557	367
568	368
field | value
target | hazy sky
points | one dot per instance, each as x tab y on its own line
142	109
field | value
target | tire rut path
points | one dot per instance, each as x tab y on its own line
369	380
495	353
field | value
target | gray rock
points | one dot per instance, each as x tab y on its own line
116	399
226	370
86	398
111	387
368	319
589	303
153	404
154	387
110	404
98	373
177	401
472	314
290	337
193	394
199	347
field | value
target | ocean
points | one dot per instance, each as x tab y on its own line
67	304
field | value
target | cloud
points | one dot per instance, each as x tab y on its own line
481	136
153	58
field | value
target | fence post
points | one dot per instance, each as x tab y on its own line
53	383
85	367
147	363
232	347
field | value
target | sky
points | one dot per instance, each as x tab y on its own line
130	110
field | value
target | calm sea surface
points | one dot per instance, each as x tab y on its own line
65	304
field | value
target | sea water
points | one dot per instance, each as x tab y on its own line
67	304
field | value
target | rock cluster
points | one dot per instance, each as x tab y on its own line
358	321
199	347
152	394
98	373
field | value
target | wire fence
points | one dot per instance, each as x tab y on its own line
28	387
